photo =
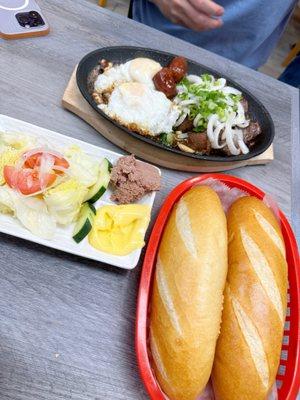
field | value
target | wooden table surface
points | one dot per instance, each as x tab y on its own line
67	323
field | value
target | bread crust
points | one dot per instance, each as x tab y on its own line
248	349
188	294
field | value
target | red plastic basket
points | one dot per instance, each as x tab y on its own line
288	376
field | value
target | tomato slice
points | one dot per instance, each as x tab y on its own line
26	180
35	161
61	162
32	161
10	175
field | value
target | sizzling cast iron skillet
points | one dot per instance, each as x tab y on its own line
121	54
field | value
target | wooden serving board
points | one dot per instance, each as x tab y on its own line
73	101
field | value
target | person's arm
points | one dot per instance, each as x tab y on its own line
198	15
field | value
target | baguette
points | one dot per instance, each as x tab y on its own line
248	349
188	293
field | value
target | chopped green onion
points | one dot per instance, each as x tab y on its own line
209	100
167	138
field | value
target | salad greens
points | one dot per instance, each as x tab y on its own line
83	167
42	187
30	211
6	201
64	200
16	140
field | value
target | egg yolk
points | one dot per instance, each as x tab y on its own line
120	229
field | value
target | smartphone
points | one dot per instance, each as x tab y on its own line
21	18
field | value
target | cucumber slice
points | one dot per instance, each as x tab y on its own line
92	207
99	188
85	222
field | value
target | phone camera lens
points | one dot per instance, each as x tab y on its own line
34	14
30	19
23	19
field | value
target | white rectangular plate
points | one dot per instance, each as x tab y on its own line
63	237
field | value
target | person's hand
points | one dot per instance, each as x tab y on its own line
199	15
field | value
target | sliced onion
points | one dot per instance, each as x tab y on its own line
216	134
194	79
188	102
231	90
46	167
29	180
240	118
181	89
229	134
60	168
244	148
196	120
180	119
19	164
229	101
219	84
193	97
32	152
210	127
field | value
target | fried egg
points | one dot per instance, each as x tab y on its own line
141	109
140	70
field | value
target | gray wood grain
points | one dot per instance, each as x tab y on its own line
296	166
67	324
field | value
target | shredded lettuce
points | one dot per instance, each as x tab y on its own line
64	200
6	201
31	212
17	140
59	204
82	167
